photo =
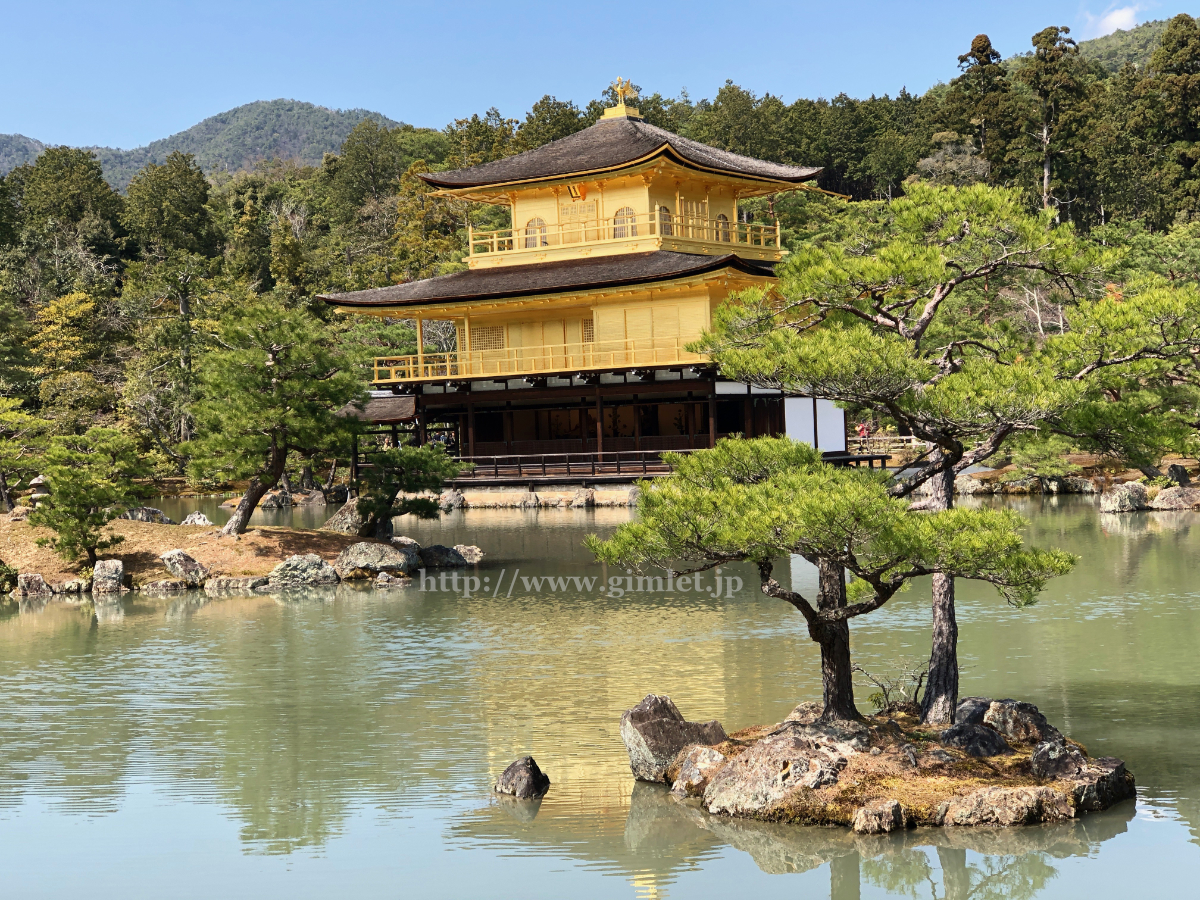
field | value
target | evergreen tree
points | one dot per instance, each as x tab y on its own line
549	120
91	482
1054	75
766	499
166	208
21	444
271	388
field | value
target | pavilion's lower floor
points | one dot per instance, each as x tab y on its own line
610	428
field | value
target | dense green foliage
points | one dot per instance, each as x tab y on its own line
91	478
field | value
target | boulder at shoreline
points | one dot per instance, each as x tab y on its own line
655	731
523	780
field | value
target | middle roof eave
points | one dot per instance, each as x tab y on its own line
506	282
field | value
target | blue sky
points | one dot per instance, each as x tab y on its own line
123	73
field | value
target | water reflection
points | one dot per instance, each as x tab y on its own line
298	717
664	837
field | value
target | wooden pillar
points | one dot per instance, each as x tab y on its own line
420	348
816	444
464	353
420	423
470	426
395	435
748	405
353	462
637	424
508	424
689	415
712	419
599	421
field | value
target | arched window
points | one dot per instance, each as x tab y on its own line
535	233
723	228
665	224
625	223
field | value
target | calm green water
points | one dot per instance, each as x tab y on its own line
345	743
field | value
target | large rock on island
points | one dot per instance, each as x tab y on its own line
974	740
1009	806
184	568
697	770
1020	721
32	585
881	817
197	518
108	576
795	756
301	571
147	514
655	731
347	520
435	556
1052	760
368	560
523	780
1128	497
1179	497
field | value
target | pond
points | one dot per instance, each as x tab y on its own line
345	743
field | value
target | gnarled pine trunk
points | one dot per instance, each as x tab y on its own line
941	688
6	504
237	523
834	639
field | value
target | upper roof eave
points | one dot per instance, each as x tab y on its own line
611	146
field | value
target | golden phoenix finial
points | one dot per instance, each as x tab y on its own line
624	89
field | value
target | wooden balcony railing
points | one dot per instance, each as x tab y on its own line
885	443
514	362
625	228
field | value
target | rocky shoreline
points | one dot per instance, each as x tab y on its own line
217	564
1001	764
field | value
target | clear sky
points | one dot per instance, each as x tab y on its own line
123	72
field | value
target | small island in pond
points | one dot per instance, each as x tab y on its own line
1002	763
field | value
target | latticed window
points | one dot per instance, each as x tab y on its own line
723	227
589	330
665	225
625	223
535	233
489	337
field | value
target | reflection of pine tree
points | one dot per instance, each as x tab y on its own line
911	873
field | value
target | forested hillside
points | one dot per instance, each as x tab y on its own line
114	305
228	142
16	150
1133	46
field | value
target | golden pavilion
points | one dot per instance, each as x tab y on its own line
572	325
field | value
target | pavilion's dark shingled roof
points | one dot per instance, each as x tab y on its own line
382	409
610	144
549	278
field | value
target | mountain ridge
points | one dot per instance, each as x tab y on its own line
228	141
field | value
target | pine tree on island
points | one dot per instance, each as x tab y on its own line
764	499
